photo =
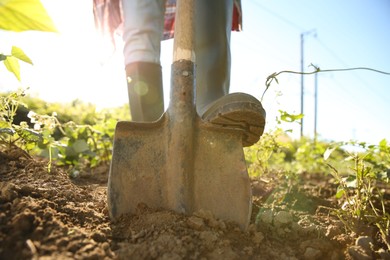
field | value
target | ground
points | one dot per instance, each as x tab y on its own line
52	216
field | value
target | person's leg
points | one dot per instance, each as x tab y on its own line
212	29
142	33
213	101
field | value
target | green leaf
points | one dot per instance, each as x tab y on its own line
4	124
12	64
383	142
286	117
24	15
70	153
53	152
19	54
340	193
383	146
80	146
29	135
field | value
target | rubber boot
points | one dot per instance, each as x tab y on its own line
214	104
212	48
146	96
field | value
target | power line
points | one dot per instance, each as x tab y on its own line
281	18
357	76
252	43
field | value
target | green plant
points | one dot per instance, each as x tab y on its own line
85	141
11	134
19	16
87	145
272	148
68	143
277	151
259	156
359	194
32	136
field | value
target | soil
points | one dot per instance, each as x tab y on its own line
52	216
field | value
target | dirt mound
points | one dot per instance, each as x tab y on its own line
50	216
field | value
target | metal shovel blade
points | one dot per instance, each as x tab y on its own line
141	172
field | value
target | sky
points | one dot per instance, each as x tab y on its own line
352	105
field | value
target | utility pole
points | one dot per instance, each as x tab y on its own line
302	85
315	105
313	31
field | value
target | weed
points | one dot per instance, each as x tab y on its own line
361	199
68	143
11	134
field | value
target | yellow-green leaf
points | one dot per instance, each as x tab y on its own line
12	64
29	135
340	193
24	15
18	53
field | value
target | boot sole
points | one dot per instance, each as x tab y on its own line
239	111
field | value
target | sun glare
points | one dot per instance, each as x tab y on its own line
75	63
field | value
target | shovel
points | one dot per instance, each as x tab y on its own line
180	162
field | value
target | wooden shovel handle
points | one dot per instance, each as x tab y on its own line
184	41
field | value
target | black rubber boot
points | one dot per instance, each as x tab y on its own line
212	48
146	96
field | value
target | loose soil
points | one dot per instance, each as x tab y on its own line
52	216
